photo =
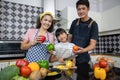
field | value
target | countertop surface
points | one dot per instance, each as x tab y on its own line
113	74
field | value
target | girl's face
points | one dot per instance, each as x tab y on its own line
62	37
46	21
82	11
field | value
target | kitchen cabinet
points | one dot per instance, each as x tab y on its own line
68	14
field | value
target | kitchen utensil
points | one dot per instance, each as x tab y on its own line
56	76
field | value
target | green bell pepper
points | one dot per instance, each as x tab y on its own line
50	47
43	64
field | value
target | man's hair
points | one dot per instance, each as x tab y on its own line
59	31
82	2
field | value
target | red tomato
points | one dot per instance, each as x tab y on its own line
103	63
21	62
95	65
75	48
25	71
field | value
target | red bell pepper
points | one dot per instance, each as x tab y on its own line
21	62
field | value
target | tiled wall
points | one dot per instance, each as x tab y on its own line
15	19
108	44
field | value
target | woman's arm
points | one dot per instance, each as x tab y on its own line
25	45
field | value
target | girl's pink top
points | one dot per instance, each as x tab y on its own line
29	36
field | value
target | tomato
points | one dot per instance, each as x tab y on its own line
43	38
75	48
95	65
21	62
25	71
103	63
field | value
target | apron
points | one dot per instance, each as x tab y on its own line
38	51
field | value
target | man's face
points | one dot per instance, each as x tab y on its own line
82	11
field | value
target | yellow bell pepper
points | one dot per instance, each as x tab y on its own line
100	73
69	63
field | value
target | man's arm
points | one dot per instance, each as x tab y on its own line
69	37
91	46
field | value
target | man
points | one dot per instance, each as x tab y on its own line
83	33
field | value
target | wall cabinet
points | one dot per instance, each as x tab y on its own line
68	14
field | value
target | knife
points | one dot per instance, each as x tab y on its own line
69	58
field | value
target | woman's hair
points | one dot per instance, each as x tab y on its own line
39	20
59	31
82	2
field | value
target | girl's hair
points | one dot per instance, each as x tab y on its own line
82	2
59	31
39	24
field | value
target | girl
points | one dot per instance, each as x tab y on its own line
33	39
63	49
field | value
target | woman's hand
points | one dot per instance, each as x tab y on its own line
40	39
33	42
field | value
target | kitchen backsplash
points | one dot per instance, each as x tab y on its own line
108	44
16	18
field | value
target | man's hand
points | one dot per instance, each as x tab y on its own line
80	50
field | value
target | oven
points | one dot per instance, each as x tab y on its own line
11	50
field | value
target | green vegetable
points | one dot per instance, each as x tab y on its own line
9	72
19	78
43	64
50	47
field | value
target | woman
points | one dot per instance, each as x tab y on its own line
33	39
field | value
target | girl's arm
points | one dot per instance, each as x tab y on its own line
53	58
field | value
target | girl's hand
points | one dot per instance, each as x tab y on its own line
60	59
52	52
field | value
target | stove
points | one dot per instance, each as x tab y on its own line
11	50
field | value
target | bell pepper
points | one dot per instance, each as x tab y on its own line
50	47
43	64
21	62
100	73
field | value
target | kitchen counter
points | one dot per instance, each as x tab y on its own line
111	75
